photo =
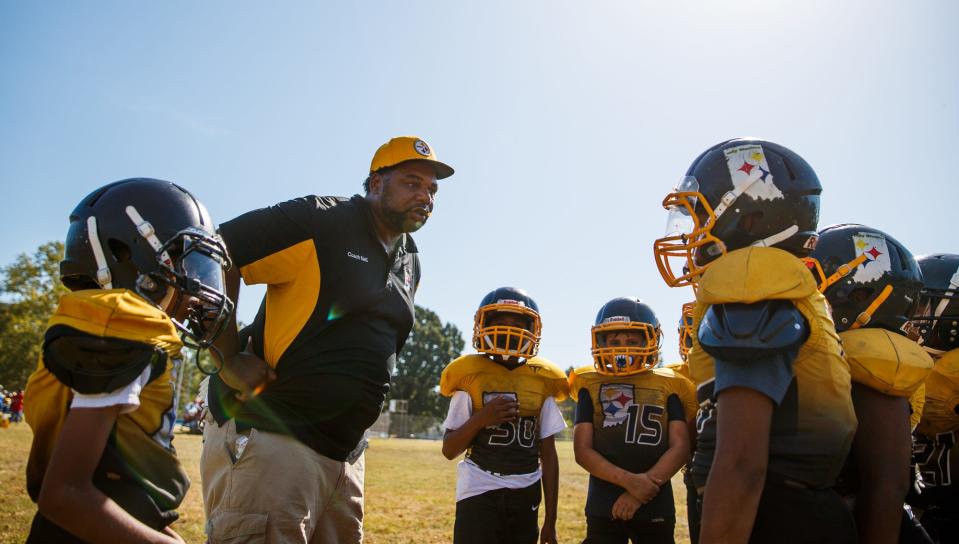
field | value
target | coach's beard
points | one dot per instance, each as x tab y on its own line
410	220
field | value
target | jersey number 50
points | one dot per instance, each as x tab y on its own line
522	431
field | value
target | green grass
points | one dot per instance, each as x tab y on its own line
410	491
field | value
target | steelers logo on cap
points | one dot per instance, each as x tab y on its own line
421	148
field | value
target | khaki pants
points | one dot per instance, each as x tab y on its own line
277	491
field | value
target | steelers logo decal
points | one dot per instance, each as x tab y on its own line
421	148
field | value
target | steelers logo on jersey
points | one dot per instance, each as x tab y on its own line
616	398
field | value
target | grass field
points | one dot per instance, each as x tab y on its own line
409	492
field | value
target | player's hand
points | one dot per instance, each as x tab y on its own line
498	410
247	373
641	487
172	534
547	535
625	507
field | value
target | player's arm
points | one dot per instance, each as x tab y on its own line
753	374
498	410
550	463
882	450
68	496
738	473
675	456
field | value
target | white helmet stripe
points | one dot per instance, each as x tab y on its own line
147	231
104	278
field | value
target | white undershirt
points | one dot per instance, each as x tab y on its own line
127	397
471	480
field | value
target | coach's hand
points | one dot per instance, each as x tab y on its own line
498	410
247	373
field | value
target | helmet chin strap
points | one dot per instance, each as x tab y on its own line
104	278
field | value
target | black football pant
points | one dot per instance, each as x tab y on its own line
600	530
501	516
794	515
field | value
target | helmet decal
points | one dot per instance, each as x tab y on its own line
876	252
750	172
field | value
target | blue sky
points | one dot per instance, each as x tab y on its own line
567	122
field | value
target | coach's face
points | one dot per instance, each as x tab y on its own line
403	197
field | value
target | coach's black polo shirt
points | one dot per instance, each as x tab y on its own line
338	309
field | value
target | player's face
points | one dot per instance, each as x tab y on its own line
406	195
508	319
619	339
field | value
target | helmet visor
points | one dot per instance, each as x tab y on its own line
680	220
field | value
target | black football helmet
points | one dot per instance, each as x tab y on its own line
938	315
868	277
685	330
740	193
507	341
154	238
626	314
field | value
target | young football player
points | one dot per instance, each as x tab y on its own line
685	331
631	430
775	419
872	284
503	413
936	448
144	266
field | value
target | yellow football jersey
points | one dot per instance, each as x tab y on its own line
812	429
511	447
139	454
936	450
681	368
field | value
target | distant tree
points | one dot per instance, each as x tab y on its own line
416	378
31	289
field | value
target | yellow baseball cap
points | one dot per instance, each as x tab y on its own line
408	148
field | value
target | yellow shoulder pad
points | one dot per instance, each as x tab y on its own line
942	396
916	403
684	389
885	361
460	369
680	368
580	378
117	313
549	371
752	274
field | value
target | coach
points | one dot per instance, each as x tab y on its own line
284	459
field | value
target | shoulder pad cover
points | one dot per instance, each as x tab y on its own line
117	313
753	274
941	411
459	369
740	332
885	361
680	368
547	370
916	404
580	378
92	364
